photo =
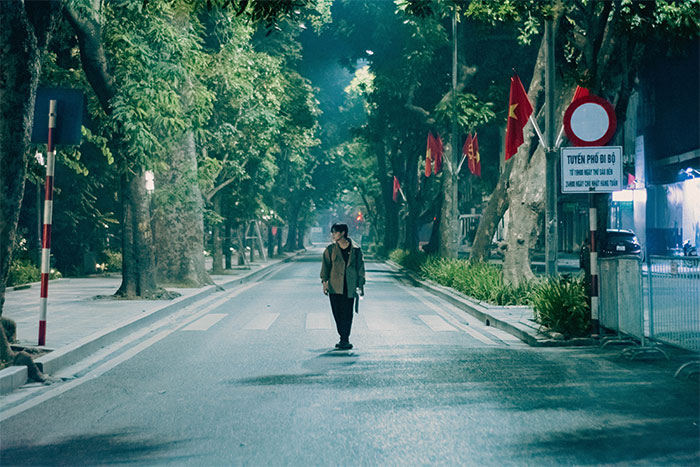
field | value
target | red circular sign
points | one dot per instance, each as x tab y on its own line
590	121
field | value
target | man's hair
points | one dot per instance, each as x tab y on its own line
340	228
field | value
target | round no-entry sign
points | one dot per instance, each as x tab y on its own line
590	121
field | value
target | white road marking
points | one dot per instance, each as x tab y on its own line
378	323
318	321
436	323
451	319
205	322
262	321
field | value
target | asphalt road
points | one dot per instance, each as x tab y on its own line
249	378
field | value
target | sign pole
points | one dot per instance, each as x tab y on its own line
46	238
593	227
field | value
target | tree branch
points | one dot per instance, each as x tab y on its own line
211	193
92	53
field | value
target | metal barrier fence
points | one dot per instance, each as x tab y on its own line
621	296
674	288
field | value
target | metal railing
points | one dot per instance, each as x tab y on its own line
674	287
672	294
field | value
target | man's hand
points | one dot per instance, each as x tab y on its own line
325	288
361	291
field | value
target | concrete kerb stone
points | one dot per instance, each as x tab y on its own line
515	320
15	376
11	378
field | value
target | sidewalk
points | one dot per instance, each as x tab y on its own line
83	317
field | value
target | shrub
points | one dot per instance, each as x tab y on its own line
409	259
561	305
112	261
515	295
22	271
482	281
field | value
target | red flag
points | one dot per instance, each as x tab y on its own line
519	110
630	181
466	151
477	157
579	93
437	153
428	154
397	187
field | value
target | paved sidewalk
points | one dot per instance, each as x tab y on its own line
83	315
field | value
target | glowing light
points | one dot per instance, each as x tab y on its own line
623	195
150	181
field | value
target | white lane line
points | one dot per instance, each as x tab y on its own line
451	319
205	322
318	321
262	321
436	323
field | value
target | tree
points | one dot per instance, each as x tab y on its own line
26	31
604	43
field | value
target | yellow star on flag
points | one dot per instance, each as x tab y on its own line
511	111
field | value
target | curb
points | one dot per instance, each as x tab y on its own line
510	319
13	377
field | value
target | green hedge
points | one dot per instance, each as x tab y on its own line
560	304
482	281
22	271
409	259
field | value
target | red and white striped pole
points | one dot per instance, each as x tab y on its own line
46	238
593	223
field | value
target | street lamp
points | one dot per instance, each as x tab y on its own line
150	181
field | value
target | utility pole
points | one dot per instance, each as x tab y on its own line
551	180
454	237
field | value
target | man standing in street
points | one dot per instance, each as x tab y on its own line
342	275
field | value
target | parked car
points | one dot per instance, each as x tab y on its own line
616	242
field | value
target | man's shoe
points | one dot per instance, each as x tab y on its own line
344	345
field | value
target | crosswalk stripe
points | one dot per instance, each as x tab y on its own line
436	323
205	322
318	321
475	334
262	321
378	323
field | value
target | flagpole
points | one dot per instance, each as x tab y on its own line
459	167
402	195
539	132
560	137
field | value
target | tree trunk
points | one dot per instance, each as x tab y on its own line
279	240
270	243
293	219
179	220
217	251
227	244
446	226
24	35
301	232
138	264
490	217
526	198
